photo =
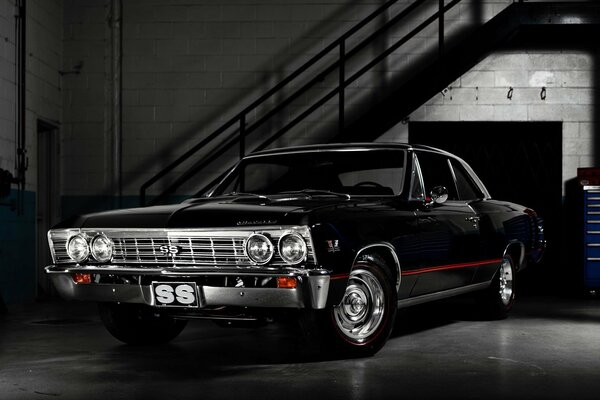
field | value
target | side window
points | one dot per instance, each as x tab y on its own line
436	172
466	188
416	186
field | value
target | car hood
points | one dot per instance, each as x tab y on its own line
226	211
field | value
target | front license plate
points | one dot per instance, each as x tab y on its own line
175	294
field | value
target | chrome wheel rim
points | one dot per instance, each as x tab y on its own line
506	281
361	311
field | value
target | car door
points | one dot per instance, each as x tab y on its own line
449	236
490	216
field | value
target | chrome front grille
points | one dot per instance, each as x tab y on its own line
58	248
185	248
189	250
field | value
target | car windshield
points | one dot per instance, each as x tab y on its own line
353	172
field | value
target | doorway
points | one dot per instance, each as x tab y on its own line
48	192
518	161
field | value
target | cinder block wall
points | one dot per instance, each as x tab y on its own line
8	218
482	95
7	86
18	262
187	67
190	65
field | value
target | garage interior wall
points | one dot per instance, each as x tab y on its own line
484	94
43	102
189	64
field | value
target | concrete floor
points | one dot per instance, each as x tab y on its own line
548	348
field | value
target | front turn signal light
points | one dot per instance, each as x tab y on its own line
287	282
83	279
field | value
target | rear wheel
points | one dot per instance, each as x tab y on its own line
139	325
497	300
361	323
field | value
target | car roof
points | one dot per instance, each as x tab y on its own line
348	146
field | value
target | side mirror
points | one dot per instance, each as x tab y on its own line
439	194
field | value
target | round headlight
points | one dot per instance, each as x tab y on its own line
292	248
259	248
102	248
78	248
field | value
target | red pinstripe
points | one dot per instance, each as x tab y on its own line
434	269
450	266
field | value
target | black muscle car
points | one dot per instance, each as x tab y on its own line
338	235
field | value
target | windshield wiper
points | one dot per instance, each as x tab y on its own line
244	194
318	192
259	196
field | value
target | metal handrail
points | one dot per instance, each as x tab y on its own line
340	43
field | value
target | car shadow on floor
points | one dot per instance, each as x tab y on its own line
423	317
560	309
208	349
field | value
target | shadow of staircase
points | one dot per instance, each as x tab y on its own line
326	99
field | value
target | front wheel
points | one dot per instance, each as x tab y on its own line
361	323
139	325
497	300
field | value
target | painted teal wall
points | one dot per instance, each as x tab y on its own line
18	251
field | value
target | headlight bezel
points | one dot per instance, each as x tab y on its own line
303	245
87	252
266	240
111	246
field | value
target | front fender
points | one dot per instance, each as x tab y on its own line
339	252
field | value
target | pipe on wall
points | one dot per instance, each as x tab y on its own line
117	93
20	117
113	111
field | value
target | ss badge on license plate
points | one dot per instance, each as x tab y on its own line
175	294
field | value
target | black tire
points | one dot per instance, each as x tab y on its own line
361	324
497	300
139	325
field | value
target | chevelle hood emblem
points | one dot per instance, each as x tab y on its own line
256	222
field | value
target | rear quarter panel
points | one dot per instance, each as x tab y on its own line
501	224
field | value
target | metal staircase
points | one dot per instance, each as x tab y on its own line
343	62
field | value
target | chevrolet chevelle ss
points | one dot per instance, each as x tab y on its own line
338	236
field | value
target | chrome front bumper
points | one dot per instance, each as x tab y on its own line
311	291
